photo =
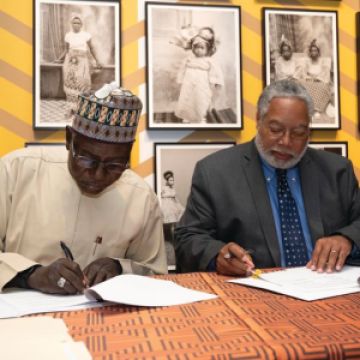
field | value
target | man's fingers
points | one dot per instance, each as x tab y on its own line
332	260
74	280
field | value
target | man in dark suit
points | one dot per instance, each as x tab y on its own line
235	217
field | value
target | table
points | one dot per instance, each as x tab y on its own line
242	323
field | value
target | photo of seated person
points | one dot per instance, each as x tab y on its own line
273	201
286	67
316	78
84	196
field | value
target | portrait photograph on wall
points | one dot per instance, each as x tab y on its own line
340	148
174	166
193	66
76	49
302	45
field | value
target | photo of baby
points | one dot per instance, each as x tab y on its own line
191	83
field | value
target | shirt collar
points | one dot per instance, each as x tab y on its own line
270	171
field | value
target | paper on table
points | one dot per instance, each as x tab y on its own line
124	289
308	280
145	291
305	284
16	302
40	338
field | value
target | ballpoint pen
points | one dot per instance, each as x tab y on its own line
66	251
69	255
229	255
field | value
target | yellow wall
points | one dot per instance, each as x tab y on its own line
16	72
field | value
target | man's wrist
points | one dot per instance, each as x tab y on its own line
119	267
25	275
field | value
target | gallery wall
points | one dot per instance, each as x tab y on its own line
16	56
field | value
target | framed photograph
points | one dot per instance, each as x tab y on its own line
29	144
302	45
358	61
174	166
340	148
193	66
76	49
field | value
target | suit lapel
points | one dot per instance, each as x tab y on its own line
310	190
256	181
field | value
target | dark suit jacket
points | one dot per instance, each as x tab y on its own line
229	202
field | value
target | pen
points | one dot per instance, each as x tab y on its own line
66	251
229	255
69	255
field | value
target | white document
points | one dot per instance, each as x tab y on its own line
40	338
124	289
145	291
19	302
305	284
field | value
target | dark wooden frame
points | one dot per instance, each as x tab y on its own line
334	58
158	166
106	74
235	121
327	145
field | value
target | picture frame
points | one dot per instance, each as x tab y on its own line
302	45
193	72
70	55
180	159
38	143
337	147
358	61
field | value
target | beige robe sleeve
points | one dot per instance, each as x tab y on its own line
10	263
146	255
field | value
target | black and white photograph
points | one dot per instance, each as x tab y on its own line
76	49
336	147
193	66
174	166
302	45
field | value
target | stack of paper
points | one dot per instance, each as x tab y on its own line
124	289
40	338
305	284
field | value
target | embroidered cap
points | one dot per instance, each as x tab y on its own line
110	114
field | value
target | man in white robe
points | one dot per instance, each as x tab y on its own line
84	196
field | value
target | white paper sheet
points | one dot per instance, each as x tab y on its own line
124	289
305	284
19	302
40	338
145	291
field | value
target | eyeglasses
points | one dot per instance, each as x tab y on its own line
90	163
279	132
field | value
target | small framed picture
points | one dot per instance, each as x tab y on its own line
59	144
76	49
193	66
340	148
358	61
302	45
174	166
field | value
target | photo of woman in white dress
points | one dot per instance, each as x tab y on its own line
76	68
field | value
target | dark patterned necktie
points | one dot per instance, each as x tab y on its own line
291	231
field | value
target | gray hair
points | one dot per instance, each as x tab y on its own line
284	88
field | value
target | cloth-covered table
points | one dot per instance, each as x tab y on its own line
242	323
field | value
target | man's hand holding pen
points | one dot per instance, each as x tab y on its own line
234	260
47	278
64	276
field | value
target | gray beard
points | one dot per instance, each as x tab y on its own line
271	160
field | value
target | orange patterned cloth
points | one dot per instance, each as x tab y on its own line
242	323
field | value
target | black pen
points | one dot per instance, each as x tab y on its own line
66	251
69	255
229	255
